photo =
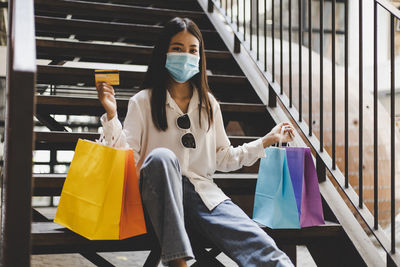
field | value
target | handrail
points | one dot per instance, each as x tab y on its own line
389	7
236	20
17	175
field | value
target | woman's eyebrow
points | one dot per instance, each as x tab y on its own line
176	43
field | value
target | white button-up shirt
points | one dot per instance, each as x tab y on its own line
213	149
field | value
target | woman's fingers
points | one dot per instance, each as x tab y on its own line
104	87
108	94
288	131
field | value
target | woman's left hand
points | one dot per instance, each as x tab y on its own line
276	134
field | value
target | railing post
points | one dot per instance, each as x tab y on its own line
210	6
321	169
271	97
236	46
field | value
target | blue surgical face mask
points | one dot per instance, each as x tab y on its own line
182	66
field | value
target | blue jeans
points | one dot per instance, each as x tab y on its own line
171	202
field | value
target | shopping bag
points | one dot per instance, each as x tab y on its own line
305	186
274	202
100	199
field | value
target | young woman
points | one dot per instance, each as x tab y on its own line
176	131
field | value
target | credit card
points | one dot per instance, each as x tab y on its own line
109	76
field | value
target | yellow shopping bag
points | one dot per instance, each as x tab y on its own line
100	199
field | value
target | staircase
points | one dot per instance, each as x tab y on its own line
72	35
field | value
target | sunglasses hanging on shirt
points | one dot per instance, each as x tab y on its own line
187	140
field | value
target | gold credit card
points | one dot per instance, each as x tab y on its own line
109	76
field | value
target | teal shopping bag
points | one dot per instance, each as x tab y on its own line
275	203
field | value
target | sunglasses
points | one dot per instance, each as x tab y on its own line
187	139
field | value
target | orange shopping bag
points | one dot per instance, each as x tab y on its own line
100	199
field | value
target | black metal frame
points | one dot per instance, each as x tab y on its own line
326	162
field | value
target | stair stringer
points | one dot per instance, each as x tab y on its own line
360	240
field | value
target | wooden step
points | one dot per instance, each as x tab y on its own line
51	238
86	30
126	54
116	12
230	183
67	140
171	4
229	88
92	107
79	91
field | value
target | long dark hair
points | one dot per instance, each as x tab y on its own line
157	75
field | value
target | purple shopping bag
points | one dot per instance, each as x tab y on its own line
305	186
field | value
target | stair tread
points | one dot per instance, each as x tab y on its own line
67	140
328	229
245	176
91	106
124	49
80	81
111	31
217	60
176	4
113	10
49	237
59	136
72	75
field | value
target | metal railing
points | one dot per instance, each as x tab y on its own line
243	17
17	171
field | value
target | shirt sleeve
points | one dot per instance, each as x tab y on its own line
127	136
231	158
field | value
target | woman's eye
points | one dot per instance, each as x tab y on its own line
193	51
176	49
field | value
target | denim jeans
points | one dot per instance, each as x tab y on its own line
171	202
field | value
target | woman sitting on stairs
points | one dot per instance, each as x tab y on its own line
176	131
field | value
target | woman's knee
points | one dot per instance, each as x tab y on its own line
159	160
160	155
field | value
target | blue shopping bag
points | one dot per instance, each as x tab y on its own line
275	203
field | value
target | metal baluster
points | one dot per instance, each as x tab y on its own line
244	20
290	54
309	69
231	10
251	24
237	16
281	38
360	106
258	30
273	40
392	137
321	75
346	93
265	35
333	84
300	63
375	115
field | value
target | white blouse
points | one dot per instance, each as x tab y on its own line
213	149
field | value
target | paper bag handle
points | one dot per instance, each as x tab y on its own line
280	138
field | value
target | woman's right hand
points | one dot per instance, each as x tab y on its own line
106	95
